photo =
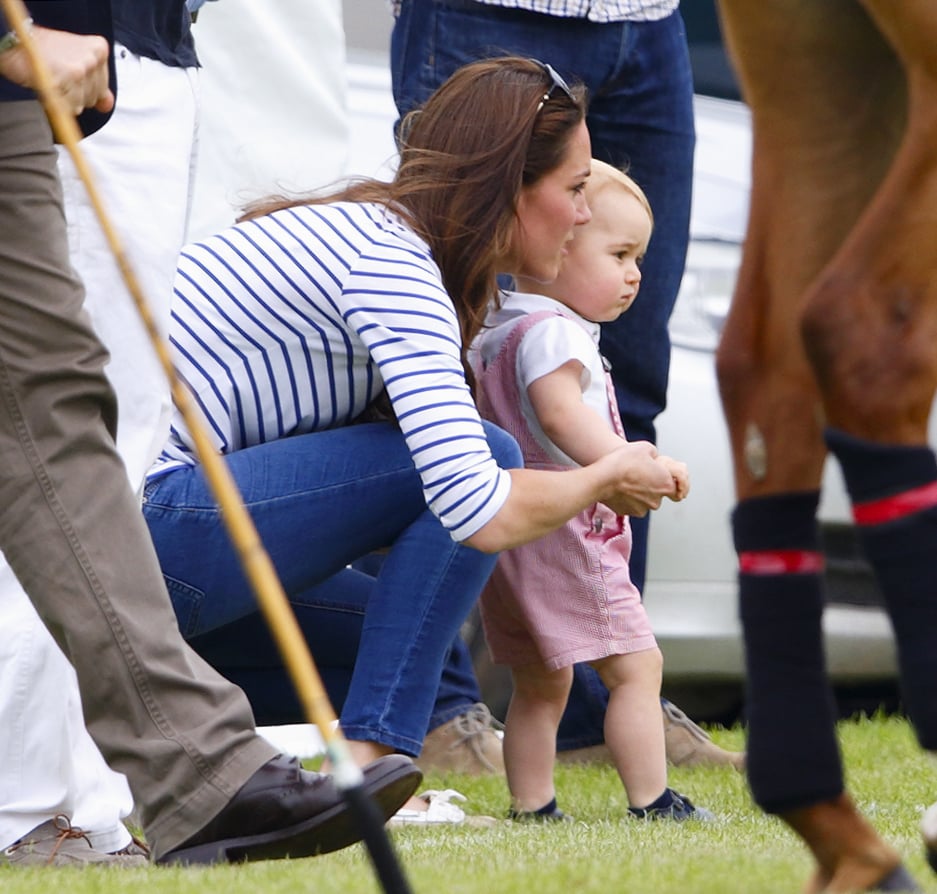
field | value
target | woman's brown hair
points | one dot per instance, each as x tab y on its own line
494	126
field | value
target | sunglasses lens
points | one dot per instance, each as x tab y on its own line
556	82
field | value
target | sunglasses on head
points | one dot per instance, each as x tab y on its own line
556	83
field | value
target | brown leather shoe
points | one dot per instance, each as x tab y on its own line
286	811
469	743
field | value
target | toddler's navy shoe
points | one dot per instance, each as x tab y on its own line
673	805
549	813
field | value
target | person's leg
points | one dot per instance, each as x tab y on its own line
73	532
461	733
292	81
209	788
458	687
633	729
143	159
360	494
463	736
48	763
409	629
330	616
641	119
530	734
582	727
428	43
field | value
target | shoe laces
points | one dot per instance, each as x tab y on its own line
678	718
66	831
684	808
472	726
477	719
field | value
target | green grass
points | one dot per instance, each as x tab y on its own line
890	778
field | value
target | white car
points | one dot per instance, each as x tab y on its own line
691	590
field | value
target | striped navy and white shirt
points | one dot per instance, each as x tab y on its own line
293	322
593	10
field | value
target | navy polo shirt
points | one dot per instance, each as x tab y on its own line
79	17
158	29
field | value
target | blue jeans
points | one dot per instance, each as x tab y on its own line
331	616
640	117
458	686
319	502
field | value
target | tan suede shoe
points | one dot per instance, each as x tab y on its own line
57	842
469	743
688	745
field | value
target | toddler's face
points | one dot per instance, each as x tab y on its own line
600	275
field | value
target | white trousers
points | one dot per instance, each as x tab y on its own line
142	161
274	103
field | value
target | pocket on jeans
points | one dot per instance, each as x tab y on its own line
187	604
150	488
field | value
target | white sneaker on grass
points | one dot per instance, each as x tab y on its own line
440	811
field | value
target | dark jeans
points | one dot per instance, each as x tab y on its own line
640	117
331	617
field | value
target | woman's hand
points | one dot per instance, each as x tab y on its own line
77	64
629	480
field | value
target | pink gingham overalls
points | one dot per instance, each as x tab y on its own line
567	597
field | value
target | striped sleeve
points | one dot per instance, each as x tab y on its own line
294	322
395	303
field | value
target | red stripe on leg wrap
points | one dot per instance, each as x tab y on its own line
781	561
877	512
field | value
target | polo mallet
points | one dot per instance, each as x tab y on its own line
254	558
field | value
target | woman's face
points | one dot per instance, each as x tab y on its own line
547	212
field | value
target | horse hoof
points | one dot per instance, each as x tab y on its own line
899	879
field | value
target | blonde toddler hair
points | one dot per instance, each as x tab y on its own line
605	175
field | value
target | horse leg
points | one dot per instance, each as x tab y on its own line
810	183
850	855
870	328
